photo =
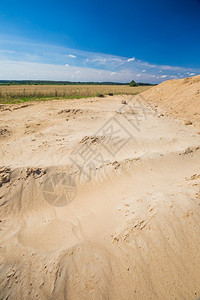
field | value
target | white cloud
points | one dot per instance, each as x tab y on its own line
146	64
51	58
7	51
72	56
39	71
131	59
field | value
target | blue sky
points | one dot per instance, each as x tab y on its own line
77	40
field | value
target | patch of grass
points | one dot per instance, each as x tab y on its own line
32	99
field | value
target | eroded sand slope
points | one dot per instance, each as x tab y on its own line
127	224
179	98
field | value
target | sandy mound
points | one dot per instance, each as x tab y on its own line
99	199
179	98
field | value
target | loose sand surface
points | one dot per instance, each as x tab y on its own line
100	197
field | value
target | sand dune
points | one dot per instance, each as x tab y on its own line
178	98
101	200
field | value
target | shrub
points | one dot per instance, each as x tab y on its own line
132	83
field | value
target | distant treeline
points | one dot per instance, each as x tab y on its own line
48	82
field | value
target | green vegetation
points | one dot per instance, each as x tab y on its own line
132	83
48	82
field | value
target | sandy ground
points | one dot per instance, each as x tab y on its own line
99	200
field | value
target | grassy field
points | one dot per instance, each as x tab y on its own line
24	93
